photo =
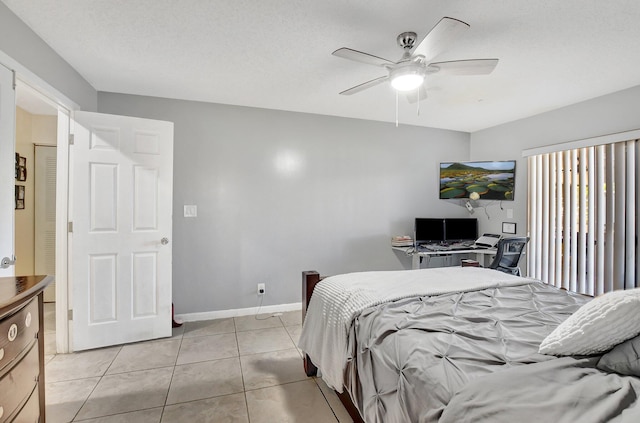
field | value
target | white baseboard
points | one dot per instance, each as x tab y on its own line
221	314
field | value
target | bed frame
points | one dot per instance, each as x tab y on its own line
310	279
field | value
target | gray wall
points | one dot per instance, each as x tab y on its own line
20	43
608	114
280	192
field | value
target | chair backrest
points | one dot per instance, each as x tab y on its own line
508	255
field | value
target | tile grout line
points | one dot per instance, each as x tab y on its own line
295	344
246	404
244	387
326	399
95	386
173	372
116	414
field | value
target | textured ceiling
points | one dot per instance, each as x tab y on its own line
276	54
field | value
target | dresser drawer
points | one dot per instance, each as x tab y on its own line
18	383
17	332
30	413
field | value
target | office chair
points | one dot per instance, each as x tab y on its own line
508	255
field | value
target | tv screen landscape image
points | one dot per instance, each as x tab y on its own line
490	180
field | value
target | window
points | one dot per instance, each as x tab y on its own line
583	215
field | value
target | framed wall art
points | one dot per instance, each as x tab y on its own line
19	197
21	168
508	227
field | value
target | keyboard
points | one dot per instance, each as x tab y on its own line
434	247
451	247
461	247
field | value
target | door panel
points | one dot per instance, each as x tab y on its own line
145	199
7	167
103	194
145	281
122	202
102	288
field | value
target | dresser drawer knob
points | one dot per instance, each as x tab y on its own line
13	332
1	353
27	320
1	411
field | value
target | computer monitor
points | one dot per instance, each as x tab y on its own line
460	229
428	230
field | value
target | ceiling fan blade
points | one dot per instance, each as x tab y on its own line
464	67
417	95
358	56
365	85
439	38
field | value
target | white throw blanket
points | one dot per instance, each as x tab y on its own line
337	300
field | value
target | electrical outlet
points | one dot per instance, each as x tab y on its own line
261	289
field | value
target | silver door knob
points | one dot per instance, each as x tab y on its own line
6	262
164	241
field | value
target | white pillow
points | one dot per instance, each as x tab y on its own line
597	326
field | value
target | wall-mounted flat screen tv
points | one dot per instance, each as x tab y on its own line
490	180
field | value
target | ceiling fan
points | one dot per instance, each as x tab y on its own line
408	74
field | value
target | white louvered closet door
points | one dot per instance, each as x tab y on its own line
45	215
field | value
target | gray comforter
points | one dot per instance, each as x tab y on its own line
466	353
565	390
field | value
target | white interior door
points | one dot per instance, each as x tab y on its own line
45	215
122	187
7	170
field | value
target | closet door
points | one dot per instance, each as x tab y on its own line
45	215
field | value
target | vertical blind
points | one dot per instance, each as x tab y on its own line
583	215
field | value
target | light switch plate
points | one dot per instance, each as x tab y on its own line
190	211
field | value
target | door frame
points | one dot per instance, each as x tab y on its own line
63	337
65	108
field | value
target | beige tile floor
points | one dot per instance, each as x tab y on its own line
227	370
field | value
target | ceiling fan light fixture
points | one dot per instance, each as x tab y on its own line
407	78
407	82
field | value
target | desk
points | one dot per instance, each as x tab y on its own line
417	256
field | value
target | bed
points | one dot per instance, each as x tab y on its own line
467	344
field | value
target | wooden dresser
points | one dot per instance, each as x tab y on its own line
22	348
